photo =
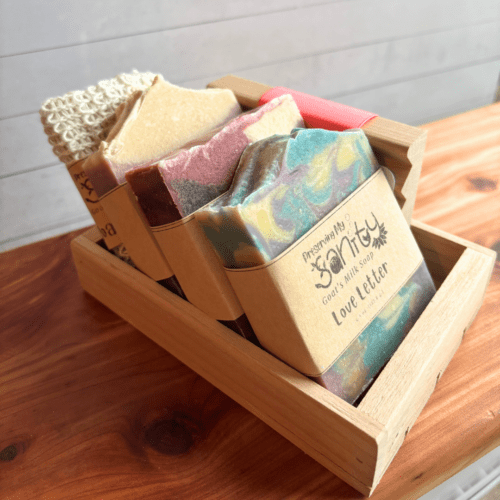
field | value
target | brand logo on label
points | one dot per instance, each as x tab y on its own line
85	185
369	234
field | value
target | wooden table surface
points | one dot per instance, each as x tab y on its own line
92	409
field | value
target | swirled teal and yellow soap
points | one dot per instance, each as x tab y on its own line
285	190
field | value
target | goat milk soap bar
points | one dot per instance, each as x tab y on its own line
320	255
172	190
150	125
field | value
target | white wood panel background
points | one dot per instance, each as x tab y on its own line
409	61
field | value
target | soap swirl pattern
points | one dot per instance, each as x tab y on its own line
357	367
282	187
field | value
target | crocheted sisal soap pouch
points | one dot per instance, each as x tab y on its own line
77	122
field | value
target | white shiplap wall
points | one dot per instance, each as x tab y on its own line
409	61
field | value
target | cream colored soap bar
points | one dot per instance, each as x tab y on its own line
152	124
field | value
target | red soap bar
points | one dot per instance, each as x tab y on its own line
321	113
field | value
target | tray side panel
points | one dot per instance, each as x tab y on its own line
441	250
406	383
400	148
328	429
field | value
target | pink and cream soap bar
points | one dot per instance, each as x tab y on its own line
195	175
171	191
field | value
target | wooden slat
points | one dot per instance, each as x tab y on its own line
195	52
430	97
72	22
23	145
29	238
348	70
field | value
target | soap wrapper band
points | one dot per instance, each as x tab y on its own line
322	113
121	206
198	268
309	304
91	200
358	366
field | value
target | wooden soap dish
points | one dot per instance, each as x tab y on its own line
356	444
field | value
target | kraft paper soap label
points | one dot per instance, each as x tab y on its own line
308	304
198	269
89	196
122	208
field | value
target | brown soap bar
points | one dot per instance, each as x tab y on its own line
153	196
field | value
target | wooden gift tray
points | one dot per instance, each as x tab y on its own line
355	443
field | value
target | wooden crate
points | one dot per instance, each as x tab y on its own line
355	443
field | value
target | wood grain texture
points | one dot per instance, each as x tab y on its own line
61	379
91	409
355	444
466	173
459	193
286	400
83	393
